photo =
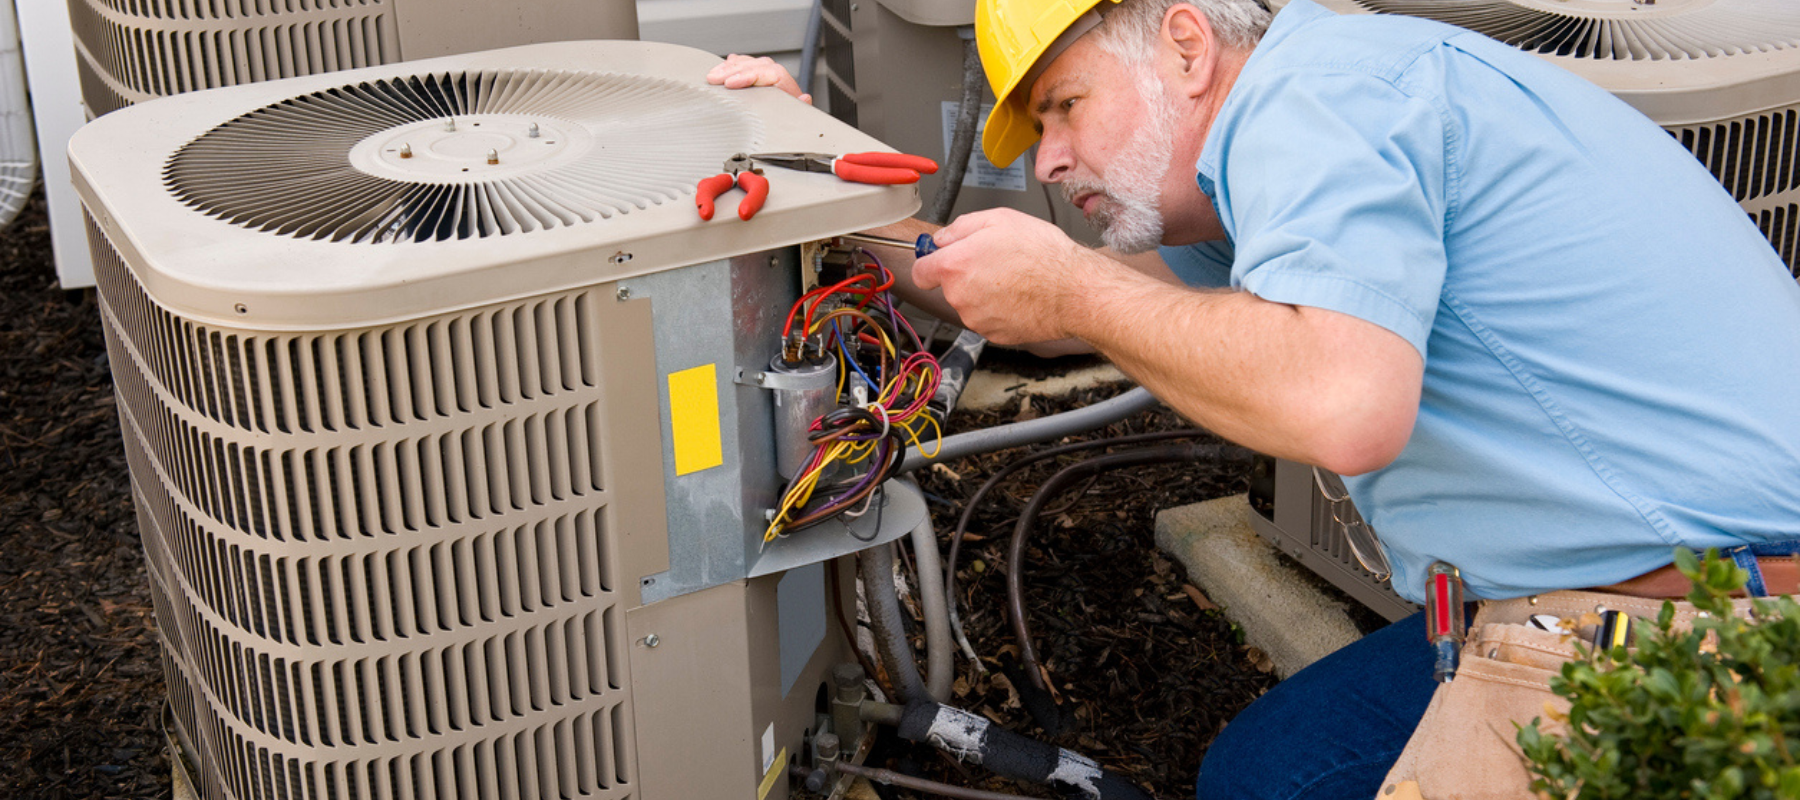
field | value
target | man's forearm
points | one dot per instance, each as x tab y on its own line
1301	383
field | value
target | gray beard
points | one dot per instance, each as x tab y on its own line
1128	215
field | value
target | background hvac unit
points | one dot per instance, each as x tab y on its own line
1722	76
894	69
18	148
129	51
451	468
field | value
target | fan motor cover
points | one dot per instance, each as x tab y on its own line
287	203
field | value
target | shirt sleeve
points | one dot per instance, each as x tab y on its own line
1334	187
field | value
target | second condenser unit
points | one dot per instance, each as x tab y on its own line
451	425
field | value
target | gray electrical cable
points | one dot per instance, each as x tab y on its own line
962	141
809	46
940	663
877	569
1042	429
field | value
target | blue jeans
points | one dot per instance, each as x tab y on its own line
1331	731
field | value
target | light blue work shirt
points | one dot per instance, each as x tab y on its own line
1612	349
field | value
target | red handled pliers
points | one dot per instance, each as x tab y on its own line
881	168
738	172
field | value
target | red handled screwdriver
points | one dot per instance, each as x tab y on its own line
1444	617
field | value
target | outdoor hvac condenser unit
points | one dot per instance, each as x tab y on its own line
446	431
1722	76
128	51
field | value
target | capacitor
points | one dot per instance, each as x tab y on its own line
804	391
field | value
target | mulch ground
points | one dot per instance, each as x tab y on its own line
1143	675
81	689
1143	672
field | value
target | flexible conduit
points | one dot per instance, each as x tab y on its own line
18	146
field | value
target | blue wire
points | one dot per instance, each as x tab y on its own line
848	359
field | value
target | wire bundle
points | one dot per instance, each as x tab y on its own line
858	444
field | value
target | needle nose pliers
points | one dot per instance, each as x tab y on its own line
739	171
878	168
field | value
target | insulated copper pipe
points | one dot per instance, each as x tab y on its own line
892	778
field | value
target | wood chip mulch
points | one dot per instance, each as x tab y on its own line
81	689
1144	669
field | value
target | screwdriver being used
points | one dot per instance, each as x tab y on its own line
921	247
1444	618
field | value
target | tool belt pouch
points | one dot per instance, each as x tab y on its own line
1465	746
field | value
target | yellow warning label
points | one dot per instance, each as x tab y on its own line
694	419
775	769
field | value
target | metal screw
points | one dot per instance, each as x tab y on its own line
406	151
532	131
450	124
624	293
652	640
761	377
774	261
493	156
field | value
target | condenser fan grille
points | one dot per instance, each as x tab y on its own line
1619	29
459	155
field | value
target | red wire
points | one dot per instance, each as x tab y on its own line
823	292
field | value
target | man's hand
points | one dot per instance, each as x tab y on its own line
743	72
1008	274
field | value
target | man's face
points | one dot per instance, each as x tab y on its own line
1108	139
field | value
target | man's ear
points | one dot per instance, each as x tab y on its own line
1187	40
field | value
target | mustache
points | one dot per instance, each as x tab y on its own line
1074	187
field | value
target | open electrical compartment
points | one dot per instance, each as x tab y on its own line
451	458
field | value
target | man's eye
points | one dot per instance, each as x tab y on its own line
1068	104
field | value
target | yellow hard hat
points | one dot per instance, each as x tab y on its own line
1013	36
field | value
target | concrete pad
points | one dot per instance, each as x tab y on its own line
1281	610
992	389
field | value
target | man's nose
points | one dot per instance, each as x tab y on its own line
1053	160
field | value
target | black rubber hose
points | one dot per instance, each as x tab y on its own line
877	565
962	141
972	739
968	512
1015	563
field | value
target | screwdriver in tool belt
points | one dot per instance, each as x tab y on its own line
1444	618
921	247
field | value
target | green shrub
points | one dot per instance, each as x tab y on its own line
1713	712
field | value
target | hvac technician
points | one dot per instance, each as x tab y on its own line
1545	342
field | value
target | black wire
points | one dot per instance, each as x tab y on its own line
962	522
1015	572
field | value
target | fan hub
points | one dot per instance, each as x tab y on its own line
460	149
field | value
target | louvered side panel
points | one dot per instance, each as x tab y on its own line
383	560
